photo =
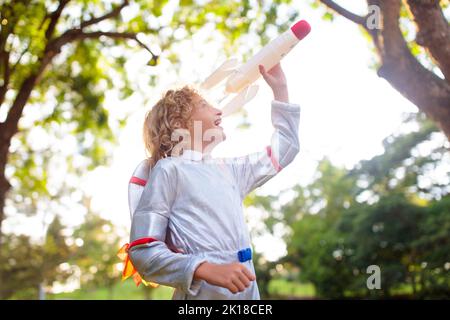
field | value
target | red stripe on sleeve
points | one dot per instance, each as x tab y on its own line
141	241
138	181
272	158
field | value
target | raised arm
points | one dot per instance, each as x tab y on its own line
255	169
153	260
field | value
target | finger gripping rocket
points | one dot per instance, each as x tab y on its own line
241	78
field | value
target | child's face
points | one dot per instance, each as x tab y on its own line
210	118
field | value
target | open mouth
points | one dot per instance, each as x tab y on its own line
218	122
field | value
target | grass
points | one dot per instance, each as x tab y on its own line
128	291
285	289
278	289
405	289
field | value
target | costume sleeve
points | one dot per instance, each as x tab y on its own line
253	170
154	261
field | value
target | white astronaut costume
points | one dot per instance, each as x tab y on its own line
193	202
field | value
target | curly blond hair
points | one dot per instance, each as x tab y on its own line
171	112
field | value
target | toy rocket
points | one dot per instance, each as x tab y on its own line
240	79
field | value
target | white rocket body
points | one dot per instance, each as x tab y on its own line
240	79
268	56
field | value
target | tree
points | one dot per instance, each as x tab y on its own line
314	246
264	271
59	54
96	256
398	56
387	211
381	235
433	250
30	264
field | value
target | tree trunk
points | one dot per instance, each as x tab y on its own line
4	187
7	130
429	92
52	48
405	73
4	184
433	31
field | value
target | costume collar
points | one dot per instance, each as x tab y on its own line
194	155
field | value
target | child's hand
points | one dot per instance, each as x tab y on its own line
233	276
276	79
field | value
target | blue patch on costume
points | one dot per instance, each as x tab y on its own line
245	254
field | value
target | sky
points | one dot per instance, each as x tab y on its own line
346	112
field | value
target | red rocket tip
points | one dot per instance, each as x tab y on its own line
301	29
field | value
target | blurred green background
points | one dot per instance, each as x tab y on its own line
76	77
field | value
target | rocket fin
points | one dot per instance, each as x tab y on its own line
225	69
246	94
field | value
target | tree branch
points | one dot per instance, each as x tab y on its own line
10	126
116	35
54	17
111	14
20	57
78	34
53	47
405	73
345	13
433	31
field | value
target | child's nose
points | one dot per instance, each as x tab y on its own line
218	112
